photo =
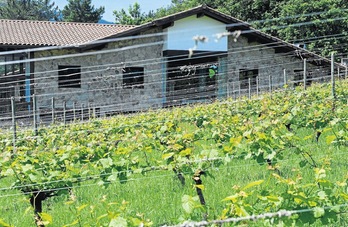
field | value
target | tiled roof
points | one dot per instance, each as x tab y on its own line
46	33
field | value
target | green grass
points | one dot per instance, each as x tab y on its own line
157	195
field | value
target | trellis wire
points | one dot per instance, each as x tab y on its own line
149	169
279	214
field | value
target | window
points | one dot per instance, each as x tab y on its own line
245	74
12	69
69	76
133	77
299	77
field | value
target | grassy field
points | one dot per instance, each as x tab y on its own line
239	138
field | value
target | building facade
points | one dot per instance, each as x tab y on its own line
197	55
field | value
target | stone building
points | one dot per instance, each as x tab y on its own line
193	56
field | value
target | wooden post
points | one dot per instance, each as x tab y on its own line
304	74
333	76
234	91
64	112
198	184
74	111
82	106
14	125
345	68
270	83
94	112
89	110
285	79
257	86
35	114
53	114
249	94
228	89
239	90
36	202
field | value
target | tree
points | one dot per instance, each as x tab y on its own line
29	10
134	16
321	25
82	11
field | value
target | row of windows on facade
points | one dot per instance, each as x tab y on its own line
70	77
133	77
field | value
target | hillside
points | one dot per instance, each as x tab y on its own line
228	159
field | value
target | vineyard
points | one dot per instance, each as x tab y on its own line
284	151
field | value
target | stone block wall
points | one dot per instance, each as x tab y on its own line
269	63
101	77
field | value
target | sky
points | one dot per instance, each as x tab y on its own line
111	5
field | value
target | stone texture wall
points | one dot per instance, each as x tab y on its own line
101	77
252	55
101	73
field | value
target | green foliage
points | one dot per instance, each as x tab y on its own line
320	26
29	10
203	137
82	11
189	203
321	198
4	224
116	214
332	20
134	16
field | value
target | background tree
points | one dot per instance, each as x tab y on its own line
82	11
134	16
29	10
321	25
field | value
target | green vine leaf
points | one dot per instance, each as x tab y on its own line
189	203
318	212
118	222
252	184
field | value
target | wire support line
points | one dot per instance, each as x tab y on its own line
161	168
180	95
81	186
183	91
83	54
108	66
152	61
90	115
256	217
162	42
119	107
91	80
261	87
179	88
160	34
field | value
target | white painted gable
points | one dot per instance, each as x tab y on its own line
180	36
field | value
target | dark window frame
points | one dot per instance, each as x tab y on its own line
245	74
12	69
69	76
133	78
